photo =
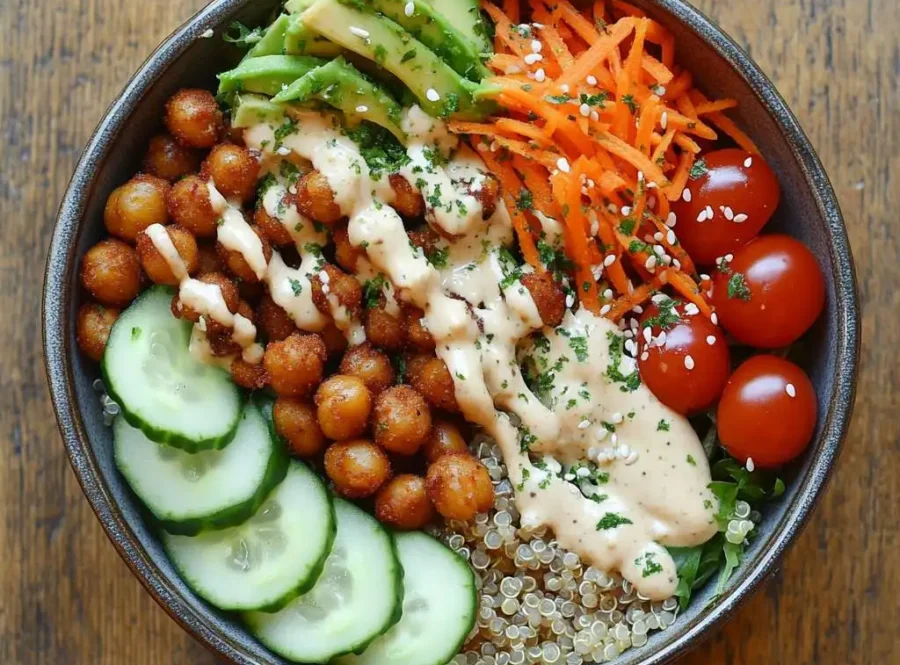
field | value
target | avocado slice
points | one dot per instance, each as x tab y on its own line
341	85
465	16
439	89
252	109
268	74
272	42
300	40
436	32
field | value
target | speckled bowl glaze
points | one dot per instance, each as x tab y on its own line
809	211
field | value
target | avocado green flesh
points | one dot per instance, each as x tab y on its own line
465	16
268	74
387	43
341	85
300	40
272	42
437	33
251	110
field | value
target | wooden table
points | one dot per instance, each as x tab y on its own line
65	596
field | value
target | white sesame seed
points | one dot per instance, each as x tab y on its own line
616	418
563	164
750	465
709	212
584	110
670	237
689	362
570	300
532	58
790	390
664	120
728	212
729	258
410	9
514	69
704	277
605	310
626	210
740	218
608	294
658	236
283	151
359	32
711	339
691	309
540	75
748	162
671	220
651	185
702	216
645	355
595	116
630	348
659	250
584	424
637	309
648	334
676	263
650	263
686	195
661	339
614	439
362	108
539	26
714	318
591	80
433	95
632	458
640	176
208	33
564	88
536	46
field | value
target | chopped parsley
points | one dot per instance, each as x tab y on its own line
381	150
699	169
637	246
526	474
287	128
296	287
611	521
628	100
242	36
667	317
598	498
578	344
593	100
627	225
526	439
737	287
663	426
630	382
372	290
438	257
649	564
525	200
380	54
451	104
691	460
409	55
135	333
558	99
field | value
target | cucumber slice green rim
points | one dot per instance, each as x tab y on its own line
270	559
215	489
162	390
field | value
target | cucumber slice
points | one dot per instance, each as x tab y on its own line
268	74
438	607
161	388
356	599
213	489
268	560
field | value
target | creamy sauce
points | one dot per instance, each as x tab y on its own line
478	312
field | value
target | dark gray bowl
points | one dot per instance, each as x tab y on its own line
809	211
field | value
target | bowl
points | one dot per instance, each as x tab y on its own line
809	211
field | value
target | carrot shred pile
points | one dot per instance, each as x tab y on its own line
600	127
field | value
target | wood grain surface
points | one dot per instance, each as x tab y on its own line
65	596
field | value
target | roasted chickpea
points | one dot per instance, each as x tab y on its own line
316	200
233	170
208	259
193	117
416	332
334	339
346	254
407	201
271	227
296	364
357	468
189	206
459	486
276	323
371	365
548	296
383	328
111	272
166	158
93	327
236	263
401	420
155	264
343	405
136	205
296	422
487	194
229	293
431	377
444	439
403	503
331	280
251	377
221	338
425	239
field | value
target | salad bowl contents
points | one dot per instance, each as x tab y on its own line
452	332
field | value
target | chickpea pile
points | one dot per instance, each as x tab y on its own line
347	409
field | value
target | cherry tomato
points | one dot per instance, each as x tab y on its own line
741	193
767	412
687	368
770	293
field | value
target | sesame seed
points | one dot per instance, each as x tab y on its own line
536	46
433	95
740	218
614	439
670	237
362	108
748	162
208	33
701	217
676	263
584	424
283	151
711	339
359	32
595	116
659	250
617	417
632	458
645	355
532	58
671	220
689	362
658	236
640	176
714	318
514	69
704	277
664	120
563	164
661	340
608	294
637	309
410	9
686	195
729	258
650	263
691	309
570	300
648	334
539	26
651	185
665	258
709	212
591	80
630	348
605	310
790	390
728	212
564	87
584	110
540	75
750	465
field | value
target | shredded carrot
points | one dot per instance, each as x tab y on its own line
596	54
511	9
537	179
712	107
660	73
679	180
688	288
531	131
634	157
728	126
626	303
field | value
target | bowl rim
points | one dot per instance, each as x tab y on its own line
56	321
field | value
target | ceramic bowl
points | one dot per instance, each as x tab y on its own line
809	211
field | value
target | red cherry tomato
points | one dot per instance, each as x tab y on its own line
770	293
767	412
688	370
741	193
